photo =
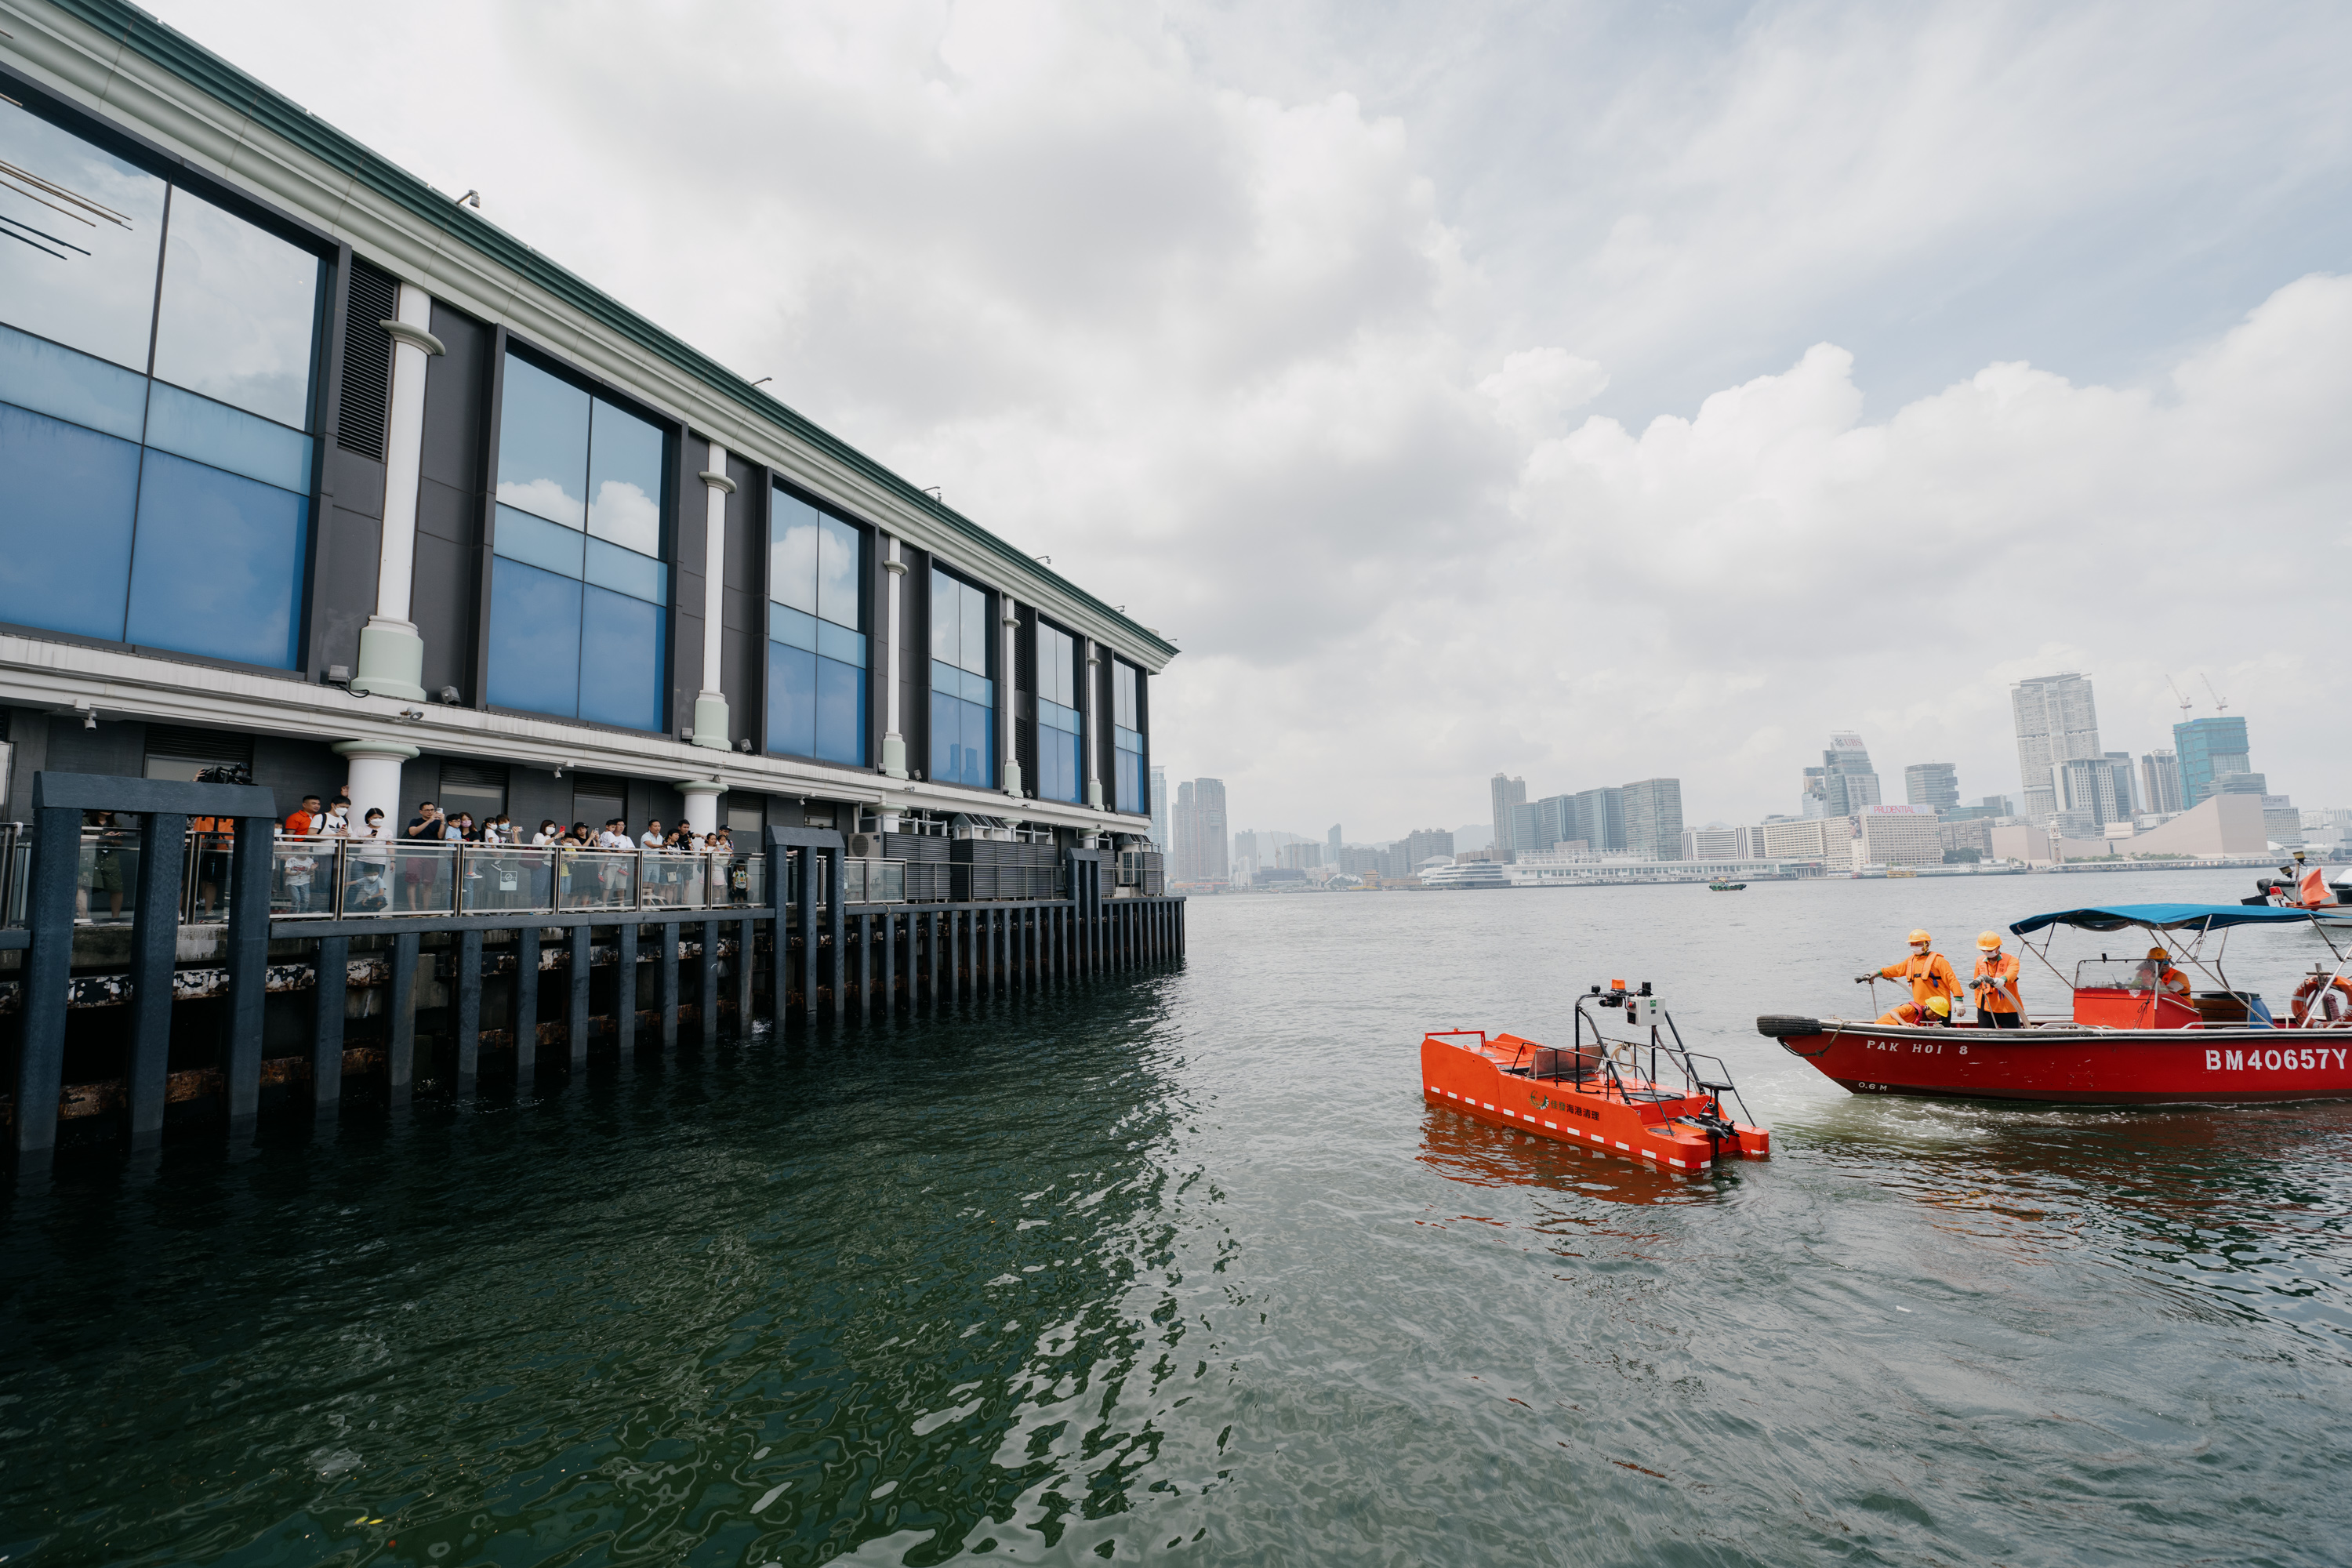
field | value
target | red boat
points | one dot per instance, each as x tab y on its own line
2127	1041
1640	1096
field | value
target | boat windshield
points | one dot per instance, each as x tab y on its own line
2118	974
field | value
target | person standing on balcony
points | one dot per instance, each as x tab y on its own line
304	822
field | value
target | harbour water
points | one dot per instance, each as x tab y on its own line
1179	1264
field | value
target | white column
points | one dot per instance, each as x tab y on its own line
711	718
701	803
374	779
894	738
392	656
1012	702
1092	717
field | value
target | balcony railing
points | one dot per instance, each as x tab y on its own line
345	878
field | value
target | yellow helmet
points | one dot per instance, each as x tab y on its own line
1989	941
2157	954
1921	936
1940	1006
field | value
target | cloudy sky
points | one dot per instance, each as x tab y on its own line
1591	392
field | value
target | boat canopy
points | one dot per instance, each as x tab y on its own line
2166	916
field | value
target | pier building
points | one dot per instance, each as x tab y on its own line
313	478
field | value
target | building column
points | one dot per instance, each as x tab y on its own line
894	737
701	803
1093	716
1012	774
374	779
711	721
392	656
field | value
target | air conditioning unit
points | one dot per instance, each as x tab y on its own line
864	846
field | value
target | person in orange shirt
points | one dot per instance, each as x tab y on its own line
2155	973
1936	1009
1999	1006
1930	973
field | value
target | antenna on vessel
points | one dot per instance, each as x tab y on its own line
2219	705
2177	692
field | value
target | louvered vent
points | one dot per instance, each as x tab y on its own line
208	746
367	362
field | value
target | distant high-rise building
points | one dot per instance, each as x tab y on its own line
2000	804
1713	842
1427	844
2160	778
1525	820
1506	793
2210	751
1931	783
1199	829
1653	819
2243	783
1848	781
1159	809
1601	818
2094	790
1555	822
2126	782
1304	856
2056	722
1815	800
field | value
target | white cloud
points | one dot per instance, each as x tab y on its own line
1278	330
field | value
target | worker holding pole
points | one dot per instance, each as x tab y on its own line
1929	972
1999	1006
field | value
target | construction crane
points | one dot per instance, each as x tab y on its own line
2177	692
2219	706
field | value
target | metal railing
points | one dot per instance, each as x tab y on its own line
343	878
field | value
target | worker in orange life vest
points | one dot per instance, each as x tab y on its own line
1999	1006
2155	973
1930	973
1935	1009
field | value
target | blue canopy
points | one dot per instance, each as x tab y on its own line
2167	917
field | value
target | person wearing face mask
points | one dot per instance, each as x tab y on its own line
1929	972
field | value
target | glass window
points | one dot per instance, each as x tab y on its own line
625	480
1061	746
534	638
78	265
239	313
218	565
543	445
47	379
227	438
1127	738
65	528
197	544
963	699
816	648
621	663
591	646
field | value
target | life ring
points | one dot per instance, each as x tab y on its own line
2338	992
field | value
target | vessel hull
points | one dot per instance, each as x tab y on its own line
2061	1067
1471	1083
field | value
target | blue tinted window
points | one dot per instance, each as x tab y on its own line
791	627
549	546
962	742
840	711
625	480
837	599
1061	765
218	568
72	386
66	498
534	640
225	437
958	624
627	571
980	690
793	535
1122	693
1057	663
792	701
621	666
85	278
1129	784
975	628
834	642
239	313
543	445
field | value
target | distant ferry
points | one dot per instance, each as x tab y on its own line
1467	874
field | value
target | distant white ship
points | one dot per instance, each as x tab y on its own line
1469	874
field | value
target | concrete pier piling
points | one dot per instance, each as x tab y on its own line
328	1010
